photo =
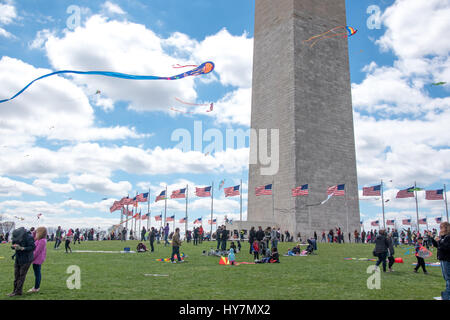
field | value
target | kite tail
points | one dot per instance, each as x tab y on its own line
177	66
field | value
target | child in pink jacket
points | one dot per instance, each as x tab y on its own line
40	253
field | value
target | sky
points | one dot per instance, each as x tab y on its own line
72	145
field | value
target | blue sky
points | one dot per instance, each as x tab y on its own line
66	148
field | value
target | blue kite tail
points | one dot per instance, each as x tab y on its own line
204	68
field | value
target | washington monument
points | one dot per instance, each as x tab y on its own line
305	93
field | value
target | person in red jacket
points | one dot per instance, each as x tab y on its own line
256	249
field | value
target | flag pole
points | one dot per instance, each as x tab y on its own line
140	219
126	226
212	205
382	203
240	214
135	222
273	200
445	199
186	217
165	207
148	210
417	206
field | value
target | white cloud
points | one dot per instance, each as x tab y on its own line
6	34
113	8
99	184
13	188
7	12
41	38
55	187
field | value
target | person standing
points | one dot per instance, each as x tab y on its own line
442	243
152	238
176	244
166	234
381	249
391	251
143	232
420	260
39	254
224	238
69	237
23	244
195	236
76	236
218	236
274	238
251	238
58	237
260	234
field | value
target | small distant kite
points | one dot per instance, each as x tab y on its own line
438	83
19	218
221	184
204	68
345	32
39	215
210	105
176	110
206	154
211	108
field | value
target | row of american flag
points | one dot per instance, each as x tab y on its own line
138	216
336	190
176	194
405	222
406	193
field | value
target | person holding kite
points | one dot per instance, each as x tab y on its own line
442	243
420	260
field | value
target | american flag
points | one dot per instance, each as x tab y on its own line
434	194
158	218
406	222
372	191
214	221
136	216
423	221
178	194
203	192
143	197
390	222
264	190
145	216
172	218
126	201
162	196
338	190
116	206
232	191
199	220
375	223
438	220
183	220
406	193
300	191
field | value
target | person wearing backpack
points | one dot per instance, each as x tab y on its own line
23	244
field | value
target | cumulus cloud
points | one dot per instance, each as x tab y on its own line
13	188
7	12
113	8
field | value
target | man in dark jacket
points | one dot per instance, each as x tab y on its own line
251	238
442	243
23	243
259	234
381	249
224	238
218	236
151	237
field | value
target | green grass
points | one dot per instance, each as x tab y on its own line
121	276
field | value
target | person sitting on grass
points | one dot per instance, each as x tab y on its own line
273	257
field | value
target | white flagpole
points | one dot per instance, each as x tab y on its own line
212	204
186	216
417	206
382	202
445	199
273	200
148	210
165	207
240	215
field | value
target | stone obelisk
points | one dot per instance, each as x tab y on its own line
305	93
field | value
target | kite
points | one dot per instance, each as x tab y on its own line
424	253
346	33
168	259
438	83
204	68
210	105
221	184
176	110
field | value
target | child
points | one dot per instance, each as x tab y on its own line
420	260
231	257
256	250
233	246
239	246
69	238
274	257
391	258
39	256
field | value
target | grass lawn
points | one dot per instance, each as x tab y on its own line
121	276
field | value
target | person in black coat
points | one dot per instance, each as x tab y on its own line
259	234
151	237
442	243
381	249
24	248
218	236
224	238
251	238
